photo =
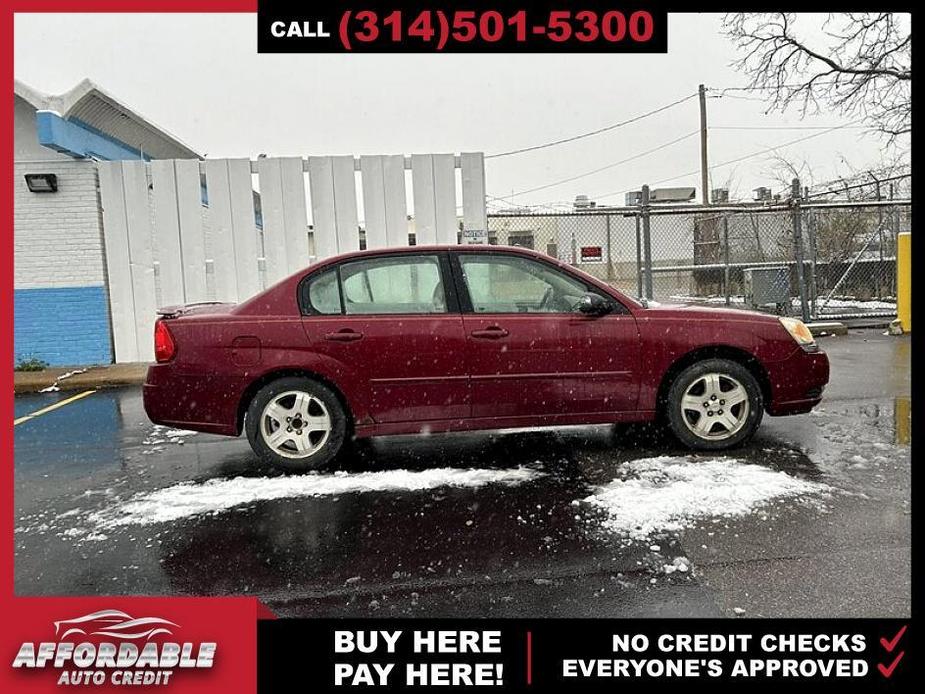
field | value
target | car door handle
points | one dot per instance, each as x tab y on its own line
345	335
492	333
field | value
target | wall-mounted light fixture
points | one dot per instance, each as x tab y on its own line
42	183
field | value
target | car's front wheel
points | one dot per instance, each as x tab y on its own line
296	424
714	404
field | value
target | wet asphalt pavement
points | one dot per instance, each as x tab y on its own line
377	541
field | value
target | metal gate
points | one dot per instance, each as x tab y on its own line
182	231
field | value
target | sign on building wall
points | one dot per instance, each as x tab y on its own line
592	254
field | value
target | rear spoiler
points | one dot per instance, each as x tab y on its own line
174	311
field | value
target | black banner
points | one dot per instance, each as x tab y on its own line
584	655
481	26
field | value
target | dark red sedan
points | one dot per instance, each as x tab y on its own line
452	338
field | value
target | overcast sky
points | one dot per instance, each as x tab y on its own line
200	78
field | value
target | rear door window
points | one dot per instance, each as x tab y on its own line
393	285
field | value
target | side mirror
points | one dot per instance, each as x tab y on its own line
594	305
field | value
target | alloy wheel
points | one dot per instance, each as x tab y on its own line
295	424
715	406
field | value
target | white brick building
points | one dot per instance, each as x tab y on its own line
61	306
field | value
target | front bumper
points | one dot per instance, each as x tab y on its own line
797	382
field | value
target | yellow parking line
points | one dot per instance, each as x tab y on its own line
60	403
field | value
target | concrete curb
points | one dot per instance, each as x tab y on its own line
110	376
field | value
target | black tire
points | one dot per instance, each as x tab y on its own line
321	458
684	423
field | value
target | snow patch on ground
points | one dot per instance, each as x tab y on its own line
215	496
161	434
668	494
54	387
176	433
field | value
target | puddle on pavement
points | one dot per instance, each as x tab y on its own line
895	420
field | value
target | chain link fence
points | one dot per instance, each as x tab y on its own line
745	256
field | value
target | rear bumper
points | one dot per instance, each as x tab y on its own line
189	402
797	382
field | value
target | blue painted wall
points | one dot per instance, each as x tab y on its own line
63	326
76	138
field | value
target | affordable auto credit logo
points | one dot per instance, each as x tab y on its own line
112	647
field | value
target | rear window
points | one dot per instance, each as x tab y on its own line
324	294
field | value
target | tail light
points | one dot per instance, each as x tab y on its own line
164	346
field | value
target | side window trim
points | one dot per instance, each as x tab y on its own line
465	299
459	283
448	278
340	289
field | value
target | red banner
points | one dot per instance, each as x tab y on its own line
109	644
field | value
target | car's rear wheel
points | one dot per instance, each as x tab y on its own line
714	404
296	424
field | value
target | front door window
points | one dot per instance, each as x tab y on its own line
511	284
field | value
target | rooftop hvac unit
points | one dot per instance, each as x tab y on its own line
718	196
762	194
673	194
634	198
766	286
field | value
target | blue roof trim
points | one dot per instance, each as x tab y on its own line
77	139
81	140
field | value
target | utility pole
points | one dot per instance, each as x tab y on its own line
879	233
646	242
798	248
704	169
706	230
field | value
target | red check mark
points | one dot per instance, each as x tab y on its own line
891	644
888	671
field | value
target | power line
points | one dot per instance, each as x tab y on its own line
768	88
608	166
738	98
738	159
493	198
780	127
591	133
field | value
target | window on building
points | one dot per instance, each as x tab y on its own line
521	239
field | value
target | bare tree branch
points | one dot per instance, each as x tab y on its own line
858	64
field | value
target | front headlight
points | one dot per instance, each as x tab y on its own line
799	332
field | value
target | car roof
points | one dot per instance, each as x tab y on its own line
431	248
296	278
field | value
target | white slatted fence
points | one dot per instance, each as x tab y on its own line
184	231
